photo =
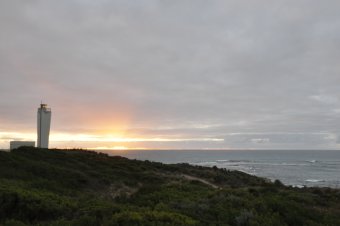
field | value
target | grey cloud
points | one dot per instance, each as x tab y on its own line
178	64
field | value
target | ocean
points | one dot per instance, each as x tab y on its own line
292	167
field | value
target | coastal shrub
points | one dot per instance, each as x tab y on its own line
244	218
159	218
76	187
12	222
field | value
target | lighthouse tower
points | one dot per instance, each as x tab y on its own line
43	129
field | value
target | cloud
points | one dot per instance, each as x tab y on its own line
325	99
260	140
140	67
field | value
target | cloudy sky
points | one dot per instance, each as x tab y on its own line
172	73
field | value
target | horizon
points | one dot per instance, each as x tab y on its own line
126	149
171	74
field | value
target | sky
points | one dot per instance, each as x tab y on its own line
172	74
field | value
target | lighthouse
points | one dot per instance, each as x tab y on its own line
43	128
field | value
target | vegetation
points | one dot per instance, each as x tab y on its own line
76	187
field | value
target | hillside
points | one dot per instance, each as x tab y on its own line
76	187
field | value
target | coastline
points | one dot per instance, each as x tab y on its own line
292	167
74	187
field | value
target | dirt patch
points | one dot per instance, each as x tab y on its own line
121	190
192	178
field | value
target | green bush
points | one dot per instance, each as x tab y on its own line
75	187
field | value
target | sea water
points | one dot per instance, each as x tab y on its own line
294	167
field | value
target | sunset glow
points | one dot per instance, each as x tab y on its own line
110	148
82	140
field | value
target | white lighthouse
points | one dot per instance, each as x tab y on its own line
44	122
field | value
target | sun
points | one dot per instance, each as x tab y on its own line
119	148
